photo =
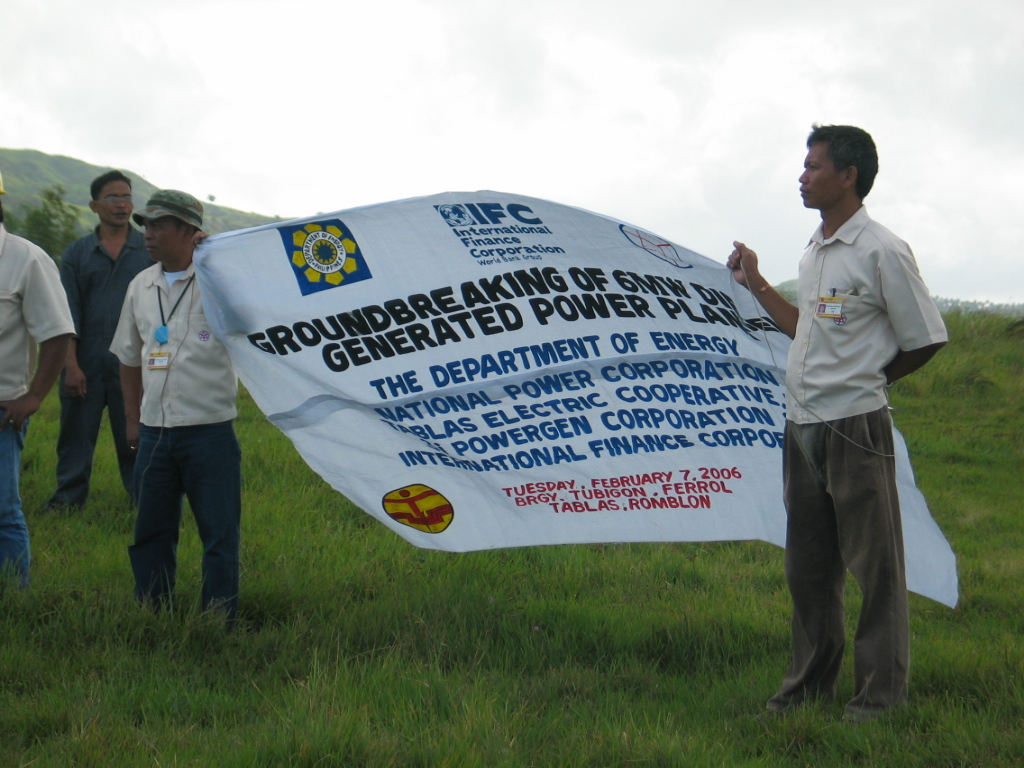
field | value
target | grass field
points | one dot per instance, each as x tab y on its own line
356	649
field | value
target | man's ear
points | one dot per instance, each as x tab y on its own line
850	177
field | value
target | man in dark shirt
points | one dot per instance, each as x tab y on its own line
96	271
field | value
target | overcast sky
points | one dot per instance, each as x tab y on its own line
682	118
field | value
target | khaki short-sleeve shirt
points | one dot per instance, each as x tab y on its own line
879	306
188	379
33	309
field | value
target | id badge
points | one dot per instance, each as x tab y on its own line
159	361
830	306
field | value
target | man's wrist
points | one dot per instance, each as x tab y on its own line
33	393
755	282
762	285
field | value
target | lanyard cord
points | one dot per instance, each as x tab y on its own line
163	386
160	301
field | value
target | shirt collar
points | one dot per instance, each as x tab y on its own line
156	275
846	233
134	240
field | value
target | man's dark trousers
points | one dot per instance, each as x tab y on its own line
204	464
79	429
843	512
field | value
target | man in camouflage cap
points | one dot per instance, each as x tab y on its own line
179	397
171	202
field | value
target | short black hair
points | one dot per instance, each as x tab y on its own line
848	145
101	181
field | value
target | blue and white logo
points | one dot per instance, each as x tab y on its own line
455	215
488	214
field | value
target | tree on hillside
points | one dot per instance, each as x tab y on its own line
52	225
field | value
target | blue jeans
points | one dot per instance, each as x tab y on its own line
204	464
14	548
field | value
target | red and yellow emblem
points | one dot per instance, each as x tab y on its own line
419	507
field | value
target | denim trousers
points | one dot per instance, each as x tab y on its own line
79	429
15	555
843	513
203	464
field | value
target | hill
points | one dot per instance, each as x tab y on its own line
27	173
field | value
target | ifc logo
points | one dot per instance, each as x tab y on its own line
455	215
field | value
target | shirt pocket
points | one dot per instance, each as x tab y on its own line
852	309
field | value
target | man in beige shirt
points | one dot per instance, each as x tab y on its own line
33	311
863	319
179	398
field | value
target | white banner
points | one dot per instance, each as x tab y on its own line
481	370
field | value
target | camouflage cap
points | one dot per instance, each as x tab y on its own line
171	202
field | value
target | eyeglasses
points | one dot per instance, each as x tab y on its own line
112	199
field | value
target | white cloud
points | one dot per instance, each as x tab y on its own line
682	117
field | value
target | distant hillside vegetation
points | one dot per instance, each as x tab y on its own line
27	173
788	291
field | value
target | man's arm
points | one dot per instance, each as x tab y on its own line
131	390
51	359
905	363
743	263
74	377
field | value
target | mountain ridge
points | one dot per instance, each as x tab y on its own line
27	172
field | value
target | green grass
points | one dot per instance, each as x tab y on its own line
356	649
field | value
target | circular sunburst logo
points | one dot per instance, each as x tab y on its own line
325	252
